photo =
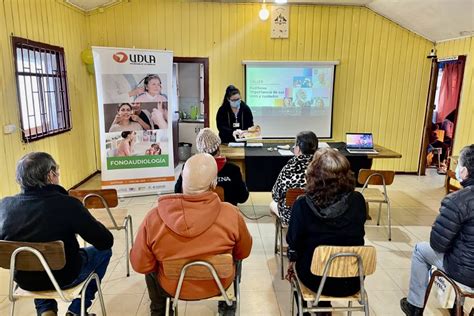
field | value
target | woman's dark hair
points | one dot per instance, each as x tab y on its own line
328	177
148	78
122	104
230	91
466	159
307	141
125	134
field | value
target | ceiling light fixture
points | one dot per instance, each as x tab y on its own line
281	1
264	14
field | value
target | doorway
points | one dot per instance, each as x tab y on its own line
441	113
191	75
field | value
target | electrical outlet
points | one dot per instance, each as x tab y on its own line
9	129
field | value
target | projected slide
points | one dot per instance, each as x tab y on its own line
286	99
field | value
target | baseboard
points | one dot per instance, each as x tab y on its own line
84	180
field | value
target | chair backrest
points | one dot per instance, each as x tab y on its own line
222	263
91	198
375	177
220	192
292	195
53	253
346	265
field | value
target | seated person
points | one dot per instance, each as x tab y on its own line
330	213
293	173
189	225
451	241
43	212
229	176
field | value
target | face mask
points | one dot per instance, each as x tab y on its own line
235	104
458	173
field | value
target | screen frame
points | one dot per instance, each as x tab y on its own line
268	63
359	147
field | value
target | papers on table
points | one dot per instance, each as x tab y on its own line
255	145
284	152
236	144
323	145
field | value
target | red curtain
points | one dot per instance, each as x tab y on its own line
450	89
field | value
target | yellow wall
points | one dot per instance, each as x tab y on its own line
381	82
50	22
464	134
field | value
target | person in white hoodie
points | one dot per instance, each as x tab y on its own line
189	225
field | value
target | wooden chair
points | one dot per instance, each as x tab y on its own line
280	227
102	205
461	291
373	195
208	268
47	257
338	262
220	192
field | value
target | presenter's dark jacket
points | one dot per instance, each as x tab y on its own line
49	214
340	224
229	178
453	233
226	118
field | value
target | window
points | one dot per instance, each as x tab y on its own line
42	89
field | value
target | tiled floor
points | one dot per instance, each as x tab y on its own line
415	202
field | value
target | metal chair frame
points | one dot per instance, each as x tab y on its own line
126	225
173	301
460	293
296	289
386	201
13	286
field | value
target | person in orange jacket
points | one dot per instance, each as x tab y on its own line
189	225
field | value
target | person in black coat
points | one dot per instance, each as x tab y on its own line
451	246
229	176
329	213
232	115
44	212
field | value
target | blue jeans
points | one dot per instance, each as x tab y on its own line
422	259
93	260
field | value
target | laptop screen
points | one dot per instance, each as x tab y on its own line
361	140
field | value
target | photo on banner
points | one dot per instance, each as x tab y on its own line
135	137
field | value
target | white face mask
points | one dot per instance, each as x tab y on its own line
458	173
235	104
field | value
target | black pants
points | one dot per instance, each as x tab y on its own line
158	298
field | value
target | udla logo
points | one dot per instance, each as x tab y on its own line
120	57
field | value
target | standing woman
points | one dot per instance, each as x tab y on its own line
232	115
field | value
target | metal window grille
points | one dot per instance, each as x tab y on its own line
41	78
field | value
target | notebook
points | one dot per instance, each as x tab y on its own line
360	143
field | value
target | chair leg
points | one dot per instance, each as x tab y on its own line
349	313
459	304
281	253
127	251
101	297
167	312
277	227
389	222
131	229
12	308
380	212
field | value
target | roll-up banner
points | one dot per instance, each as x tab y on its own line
136	143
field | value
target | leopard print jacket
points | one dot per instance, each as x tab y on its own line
291	176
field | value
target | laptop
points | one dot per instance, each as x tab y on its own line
360	143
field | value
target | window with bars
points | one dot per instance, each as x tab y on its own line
42	89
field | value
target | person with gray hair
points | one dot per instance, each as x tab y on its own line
189	225
229	176
293	173
451	246
43	212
